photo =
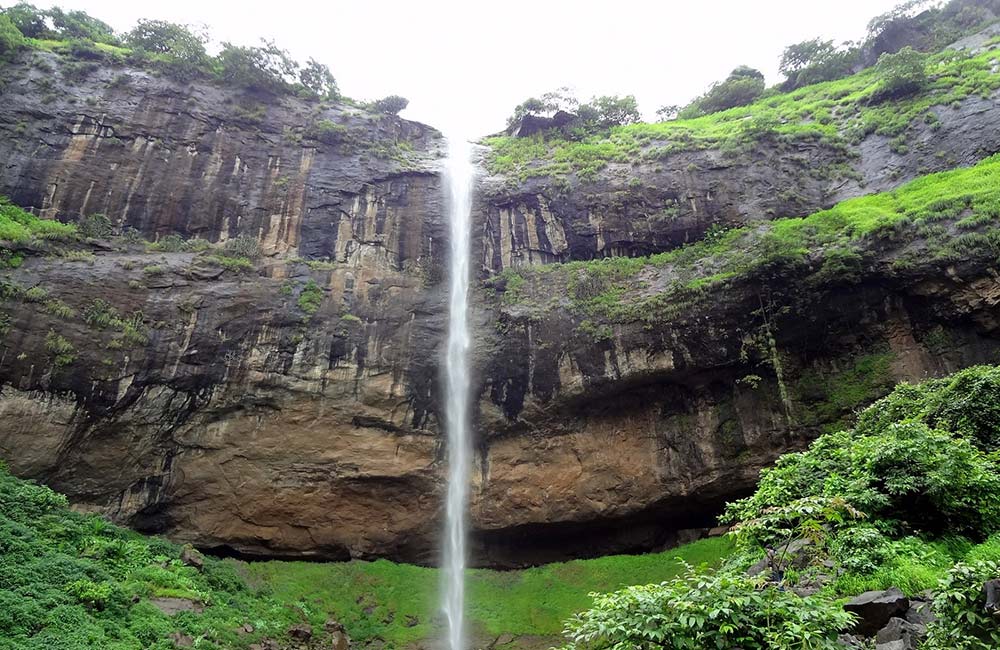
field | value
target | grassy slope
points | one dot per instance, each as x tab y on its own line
833	242
74	581
835	112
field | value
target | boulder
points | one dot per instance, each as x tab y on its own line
300	632
898	634
874	609
181	640
171	606
193	558
532	124
920	612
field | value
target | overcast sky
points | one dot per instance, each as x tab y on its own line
465	64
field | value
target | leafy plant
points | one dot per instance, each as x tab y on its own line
962	622
707	610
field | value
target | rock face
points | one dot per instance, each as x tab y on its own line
245	416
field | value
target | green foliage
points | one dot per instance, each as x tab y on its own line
11	39
243	246
959	604
310	297
901	73
907	475
830	239
815	61
831	113
28	19
327	131
966	403
265	69
390	105
741	87
231	262
17	225
318	81
62	350
179	50
707	610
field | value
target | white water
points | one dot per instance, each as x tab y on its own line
458	177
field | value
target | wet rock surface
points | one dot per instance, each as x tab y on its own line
244	424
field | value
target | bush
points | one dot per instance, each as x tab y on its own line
960	606
815	61
11	39
318	81
900	74
390	105
182	51
909	475
741	87
264	69
28	19
703	610
327	131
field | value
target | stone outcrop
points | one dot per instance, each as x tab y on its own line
242	419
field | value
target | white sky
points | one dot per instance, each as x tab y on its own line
464	65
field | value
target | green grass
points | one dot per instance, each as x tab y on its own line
74	581
18	226
533	601
835	112
827	246
918	565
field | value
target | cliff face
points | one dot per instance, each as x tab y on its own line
251	415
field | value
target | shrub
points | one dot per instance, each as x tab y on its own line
962	621
704	610
11	39
327	131
62	350
28	19
243	246
265	69
899	74
911	476
390	105
741	87
310	297
182	51
318	81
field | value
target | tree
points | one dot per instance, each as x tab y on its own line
262	69
183	50
11	39
743	85
901	73
29	19
318	80
816	60
610	110
668	112
81	25
390	105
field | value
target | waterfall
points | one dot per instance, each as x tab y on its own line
458	177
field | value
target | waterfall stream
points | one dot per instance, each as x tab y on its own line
458	179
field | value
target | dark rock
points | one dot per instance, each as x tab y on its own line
921	612
181	640
850	641
191	557
532	124
411	621
898	634
300	632
875	608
